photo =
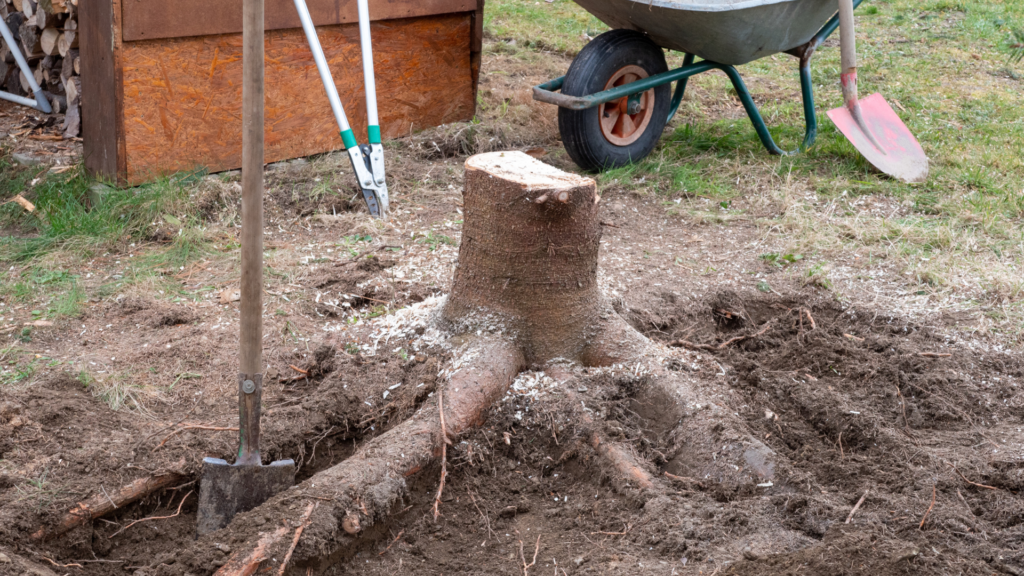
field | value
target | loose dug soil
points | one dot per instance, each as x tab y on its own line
853	402
856	402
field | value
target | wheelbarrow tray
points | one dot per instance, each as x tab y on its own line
723	31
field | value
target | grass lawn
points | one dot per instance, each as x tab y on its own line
951	69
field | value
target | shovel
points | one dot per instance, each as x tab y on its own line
870	124
227	489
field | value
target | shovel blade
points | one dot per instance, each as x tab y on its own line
900	155
226	489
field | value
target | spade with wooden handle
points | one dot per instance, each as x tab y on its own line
228	489
870	124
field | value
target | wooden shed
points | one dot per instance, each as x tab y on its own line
161	80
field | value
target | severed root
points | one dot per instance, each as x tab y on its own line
622	461
247	564
616	456
727	343
368	484
103	503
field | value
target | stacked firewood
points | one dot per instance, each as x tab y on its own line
46	32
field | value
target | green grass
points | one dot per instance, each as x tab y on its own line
66	218
953	72
69	227
559	26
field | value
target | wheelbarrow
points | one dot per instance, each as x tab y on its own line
616	98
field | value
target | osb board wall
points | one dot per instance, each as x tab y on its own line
151	19
182	96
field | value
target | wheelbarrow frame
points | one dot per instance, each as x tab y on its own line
548	92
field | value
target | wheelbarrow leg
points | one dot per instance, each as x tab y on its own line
752	112
807	93
677	97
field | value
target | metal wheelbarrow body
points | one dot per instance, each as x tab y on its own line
616	98
730	32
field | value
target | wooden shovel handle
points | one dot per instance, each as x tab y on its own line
848	50
250	341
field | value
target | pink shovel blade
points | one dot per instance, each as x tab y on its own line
900	155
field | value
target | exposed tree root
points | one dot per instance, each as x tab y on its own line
104	503
525	294
370	482
527	272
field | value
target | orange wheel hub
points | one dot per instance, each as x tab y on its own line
617	125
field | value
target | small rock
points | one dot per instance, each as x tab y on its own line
97	193
507	512
4	558
749	554
579	561
27	159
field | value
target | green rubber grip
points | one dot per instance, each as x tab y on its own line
349	139
374	133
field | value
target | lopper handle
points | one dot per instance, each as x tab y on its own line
369	80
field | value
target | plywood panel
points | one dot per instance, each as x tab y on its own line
183	96
151	19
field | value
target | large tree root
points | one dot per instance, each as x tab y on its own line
525	294
365	487
102	504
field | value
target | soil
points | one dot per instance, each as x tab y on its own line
921	421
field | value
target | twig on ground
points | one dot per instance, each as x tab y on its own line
109	499
536	549
974	521
368	298
393	542
445	441
814	325
299	370
842	456
722	346
72	565
167	427
929	511
856	507
487	520
933	355
682	478
903	402
852	337
195	427
298	534
623	533
553	435
973	483
312	453
182	503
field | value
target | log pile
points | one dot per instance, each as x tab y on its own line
47	35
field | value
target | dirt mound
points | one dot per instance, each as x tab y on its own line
852	403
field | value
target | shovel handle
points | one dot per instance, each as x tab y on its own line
848	52
251	304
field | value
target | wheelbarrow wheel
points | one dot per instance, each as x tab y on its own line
619	132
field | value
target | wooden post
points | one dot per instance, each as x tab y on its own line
251	325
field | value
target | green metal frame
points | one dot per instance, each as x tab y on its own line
548	91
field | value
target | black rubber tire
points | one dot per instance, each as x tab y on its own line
588	74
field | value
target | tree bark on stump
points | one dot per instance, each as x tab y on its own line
528	263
